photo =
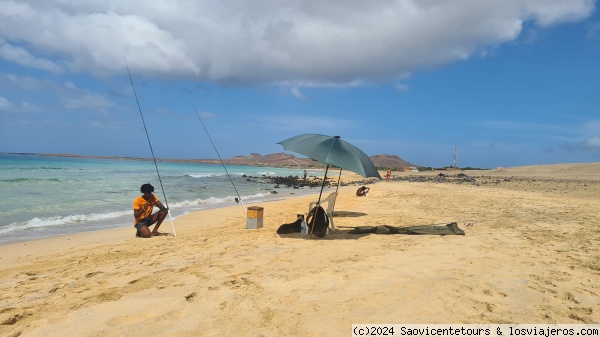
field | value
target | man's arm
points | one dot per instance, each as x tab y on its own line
160	205
138	212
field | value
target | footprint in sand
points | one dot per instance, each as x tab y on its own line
11	318
191	297
88	275
567	296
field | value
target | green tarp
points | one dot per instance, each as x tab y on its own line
449	229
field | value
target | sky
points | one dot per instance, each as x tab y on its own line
505	82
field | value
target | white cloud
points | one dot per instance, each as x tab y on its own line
591	143
269	41
68	94
401	87
297	93
548	13
206	115
23	57
22	82
87	101
4	103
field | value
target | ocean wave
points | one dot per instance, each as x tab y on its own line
204	175
214	200
237	174
30	180
62	221
40	168
80	219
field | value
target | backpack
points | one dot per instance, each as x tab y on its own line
320	221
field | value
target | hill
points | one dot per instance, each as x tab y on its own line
284	159
388	161
275	159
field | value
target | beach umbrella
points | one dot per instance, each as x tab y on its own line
331	151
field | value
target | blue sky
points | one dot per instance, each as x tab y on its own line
510	82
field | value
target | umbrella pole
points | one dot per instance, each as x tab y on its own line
323	185
336	189
312	227
339	177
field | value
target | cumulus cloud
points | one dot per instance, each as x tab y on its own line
268	41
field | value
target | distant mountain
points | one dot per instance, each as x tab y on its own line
254	159
385	160
284	159
281	158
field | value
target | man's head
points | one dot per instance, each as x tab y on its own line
147	189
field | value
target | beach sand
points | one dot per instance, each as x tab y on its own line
530	256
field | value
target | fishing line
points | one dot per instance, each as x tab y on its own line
151	150
213	144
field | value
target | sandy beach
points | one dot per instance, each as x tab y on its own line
530	255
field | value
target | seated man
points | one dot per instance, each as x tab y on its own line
362	191
142	212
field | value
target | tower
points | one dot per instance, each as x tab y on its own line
455	150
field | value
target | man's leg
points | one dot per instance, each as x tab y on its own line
143	231
158	217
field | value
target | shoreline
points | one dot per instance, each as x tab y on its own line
506	176
107	233
90	227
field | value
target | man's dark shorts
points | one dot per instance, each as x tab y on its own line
146	222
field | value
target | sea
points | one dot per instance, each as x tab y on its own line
45	196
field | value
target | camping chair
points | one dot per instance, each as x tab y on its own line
330	200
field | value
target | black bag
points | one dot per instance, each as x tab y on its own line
320	221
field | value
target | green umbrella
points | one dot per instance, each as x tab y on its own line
331	151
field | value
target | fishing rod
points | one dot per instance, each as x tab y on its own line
213	144
151	150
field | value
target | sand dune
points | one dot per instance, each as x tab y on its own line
530	256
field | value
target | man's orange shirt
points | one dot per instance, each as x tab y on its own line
139	203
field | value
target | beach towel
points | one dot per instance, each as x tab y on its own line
448	229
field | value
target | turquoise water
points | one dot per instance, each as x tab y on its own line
46	196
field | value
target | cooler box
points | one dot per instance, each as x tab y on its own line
255	217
